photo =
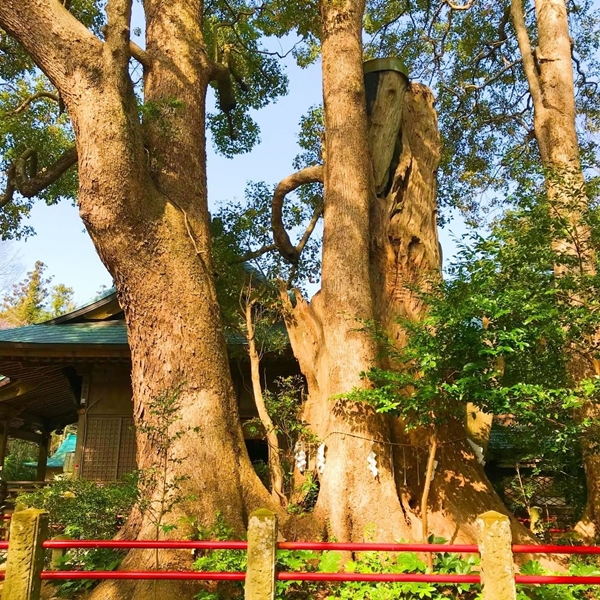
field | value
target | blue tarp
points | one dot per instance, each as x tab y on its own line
57	460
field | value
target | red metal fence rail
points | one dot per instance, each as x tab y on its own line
441	578
309	576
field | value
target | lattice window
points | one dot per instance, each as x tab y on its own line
109	450
540	487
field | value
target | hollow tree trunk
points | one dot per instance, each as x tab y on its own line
142	196
405	255
549	74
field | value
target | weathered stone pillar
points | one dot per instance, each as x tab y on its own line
497	566
262	548
57	554
28	530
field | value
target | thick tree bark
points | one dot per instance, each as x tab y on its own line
331	340
142	196
403	255
549	73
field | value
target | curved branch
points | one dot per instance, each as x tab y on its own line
466	6
25	104
282	240
10	186
31	184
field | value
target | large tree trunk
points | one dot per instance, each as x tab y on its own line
332	343
380	237
549	74
142	196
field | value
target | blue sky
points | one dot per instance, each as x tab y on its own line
62	244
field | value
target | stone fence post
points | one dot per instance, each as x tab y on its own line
495	547
262	549
28	530
57	554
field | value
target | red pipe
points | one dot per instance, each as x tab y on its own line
535	549
558	579
363	547
237	545
3	545
185	575
160	544
387	577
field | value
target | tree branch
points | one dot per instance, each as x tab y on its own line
498	75
518	19
25	104
140	55
56	40
311	227
32	183
116	33
252	254
466	6
282	240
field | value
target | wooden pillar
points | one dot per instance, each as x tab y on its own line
43	456
3	445
81	435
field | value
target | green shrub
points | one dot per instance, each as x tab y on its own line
19	452
84	510
374	562
558	592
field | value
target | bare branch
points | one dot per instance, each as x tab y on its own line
508	67
311	227
25	104
312	174
32	183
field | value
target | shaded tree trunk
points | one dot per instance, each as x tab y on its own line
549	72
275	469
380	236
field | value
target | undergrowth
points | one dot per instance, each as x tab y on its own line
84	509
374	562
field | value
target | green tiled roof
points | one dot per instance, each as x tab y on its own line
91	332
98	332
